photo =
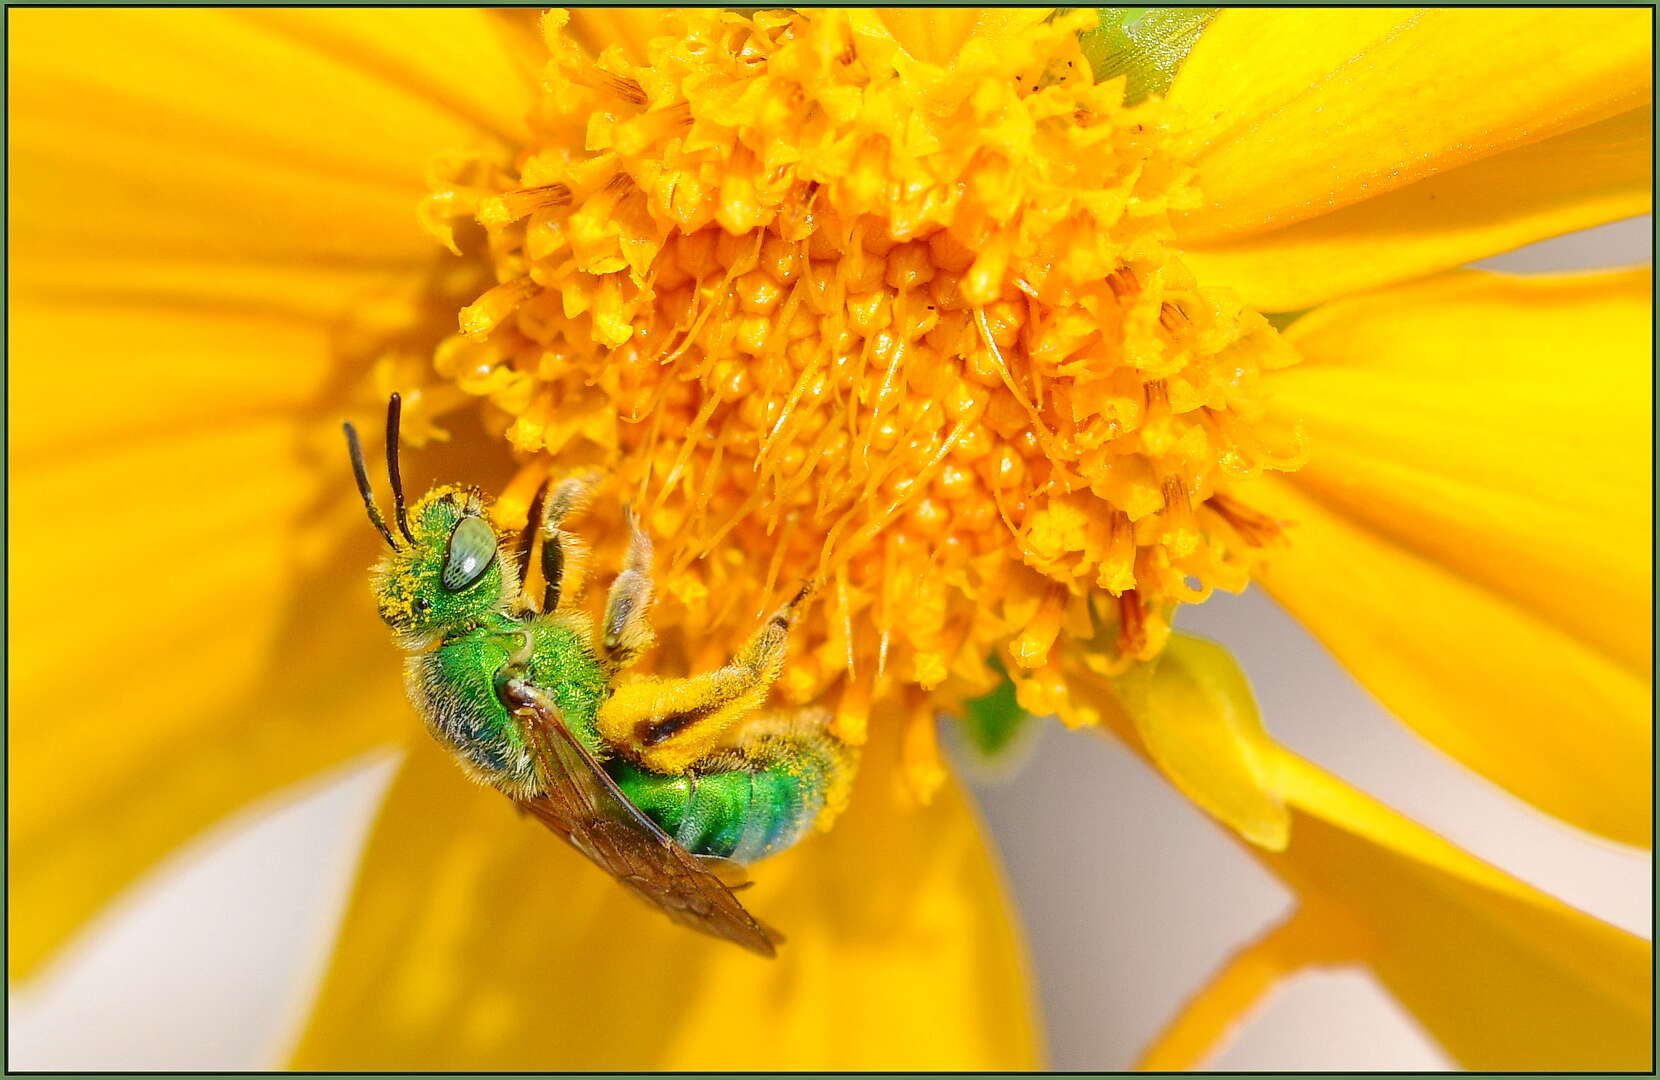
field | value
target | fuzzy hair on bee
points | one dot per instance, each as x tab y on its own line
667	783
409	584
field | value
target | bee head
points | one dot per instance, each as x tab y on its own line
448	573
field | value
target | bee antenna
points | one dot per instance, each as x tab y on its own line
355	448
394	412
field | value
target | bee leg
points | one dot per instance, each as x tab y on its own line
626	632
564	555
527	543
668	724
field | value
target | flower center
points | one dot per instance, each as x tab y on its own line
913	328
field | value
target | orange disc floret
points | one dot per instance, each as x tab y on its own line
913	328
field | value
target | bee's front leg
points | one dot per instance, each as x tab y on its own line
564	556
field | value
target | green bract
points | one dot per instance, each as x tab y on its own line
1144	44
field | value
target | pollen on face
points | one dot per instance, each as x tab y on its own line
915	330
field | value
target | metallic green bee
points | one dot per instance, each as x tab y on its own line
651	778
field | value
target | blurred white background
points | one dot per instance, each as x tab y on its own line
1129	895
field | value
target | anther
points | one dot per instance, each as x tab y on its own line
1253	527
1132	623
505	209
1123	282
597	78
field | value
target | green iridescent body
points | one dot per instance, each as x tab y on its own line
452	593
664	783
734	805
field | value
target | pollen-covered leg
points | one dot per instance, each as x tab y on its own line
668	724
627	631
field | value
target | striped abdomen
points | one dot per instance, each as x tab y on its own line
743	805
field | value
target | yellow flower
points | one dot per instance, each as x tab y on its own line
906	302
914	329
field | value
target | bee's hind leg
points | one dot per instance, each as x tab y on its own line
669	724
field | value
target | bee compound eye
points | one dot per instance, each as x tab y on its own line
472	548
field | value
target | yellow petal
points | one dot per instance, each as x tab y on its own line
1471	533
1594	174
188	628
938	34
1306	112
1197	718
1305	937
248	135
1501	975
628	29
478	940
204	198
181	473
1504	976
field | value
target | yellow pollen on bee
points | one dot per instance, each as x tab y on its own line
915	329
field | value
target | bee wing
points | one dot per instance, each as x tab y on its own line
584	805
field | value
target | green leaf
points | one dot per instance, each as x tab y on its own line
992	722
1145	44
1280	320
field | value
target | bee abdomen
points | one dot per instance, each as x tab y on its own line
744	805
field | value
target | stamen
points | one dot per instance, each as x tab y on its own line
502	210
1123	282
1181	536
953	373
1132	624
487	312
597	78
1254	527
